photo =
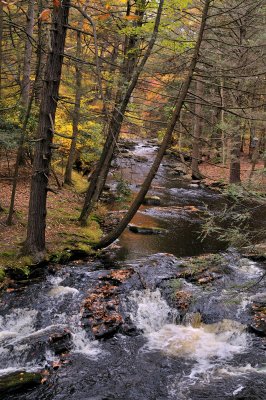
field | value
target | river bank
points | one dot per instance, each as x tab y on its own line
162	316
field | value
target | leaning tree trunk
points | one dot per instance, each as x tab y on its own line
25	84
197	131
99	177
76	116
35	242
110	238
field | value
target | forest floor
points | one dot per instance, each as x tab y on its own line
62	228
219	172
64	205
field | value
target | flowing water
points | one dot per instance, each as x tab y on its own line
205	352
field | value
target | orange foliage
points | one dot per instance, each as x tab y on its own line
45	15
57	3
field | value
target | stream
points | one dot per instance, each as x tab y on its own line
175	327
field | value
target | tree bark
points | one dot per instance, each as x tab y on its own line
41	53
222	122
197	131
25	84
35	242
255	156
110	238
235	168
99	177
1	46
76	115
22	138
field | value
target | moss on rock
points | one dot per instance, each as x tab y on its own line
20	380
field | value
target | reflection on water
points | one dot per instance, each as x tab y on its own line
181	238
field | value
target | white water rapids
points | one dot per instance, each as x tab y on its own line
18	328
206	344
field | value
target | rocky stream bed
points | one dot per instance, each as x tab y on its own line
155	317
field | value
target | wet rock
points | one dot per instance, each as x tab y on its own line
18	381
172	154
258	309
257	252
26	275
61	342
144	230
126	155
203	269
172	212
56	338
194	185
127	144
141	159
101	308
152	141
155	269
152	201
179	171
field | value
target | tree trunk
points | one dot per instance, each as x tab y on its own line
180	139
222	122
76	115
110	238
235	158
1	46
35	242
25	84
255	157
41	53
99	177
22	139
197	132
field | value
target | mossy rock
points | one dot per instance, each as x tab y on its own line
61	257
152	201
20	380
145	230
2	274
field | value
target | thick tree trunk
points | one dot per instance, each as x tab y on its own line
1	45
22	138
25	84
35	242
197	132
41	53
99	177
110	238
76	115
